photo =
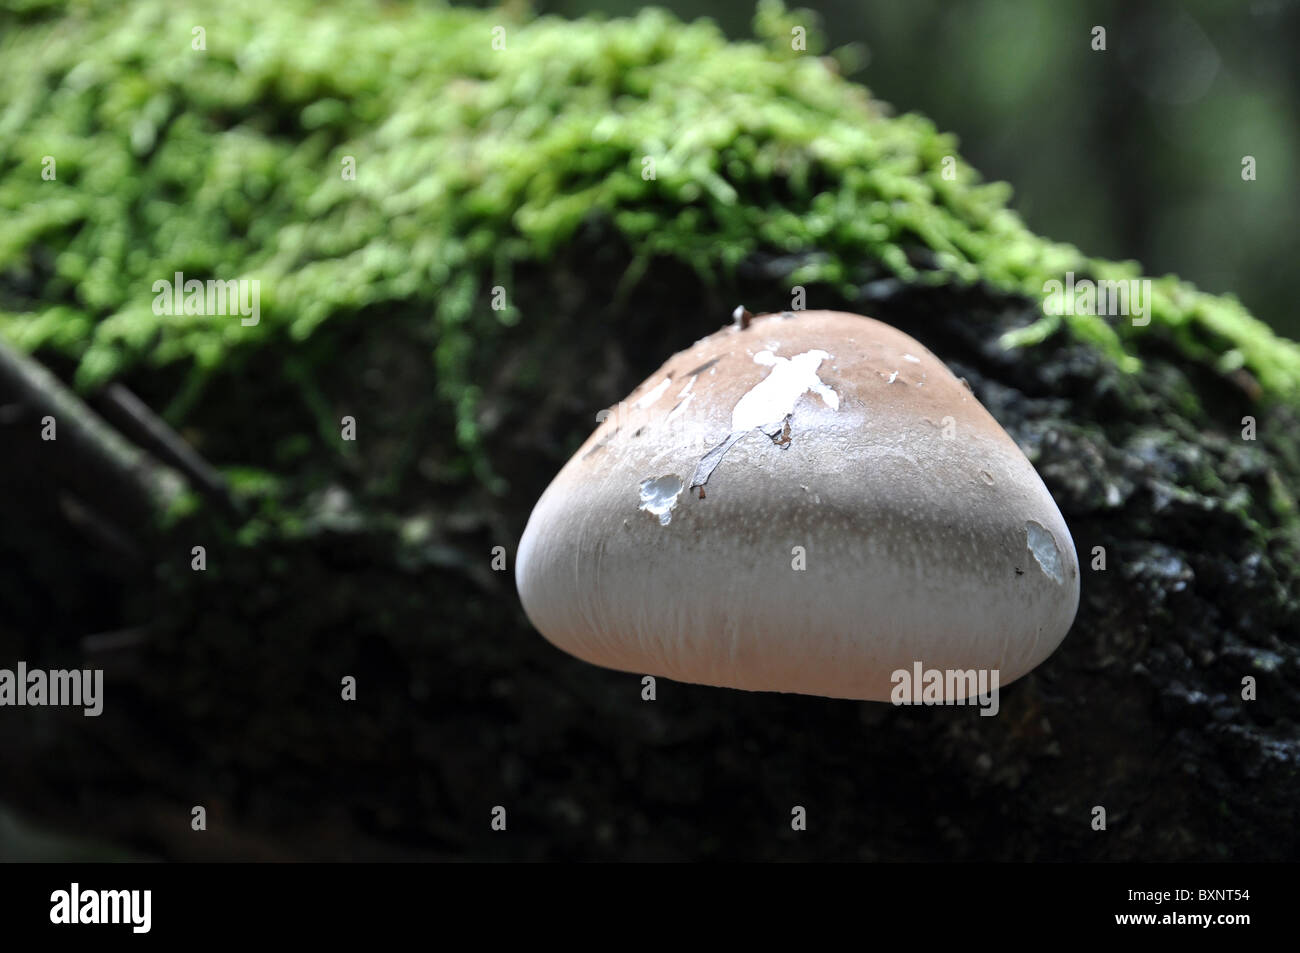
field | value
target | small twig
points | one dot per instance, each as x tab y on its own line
101	530
155	435
87	456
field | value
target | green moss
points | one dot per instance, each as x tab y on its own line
472	162
181	508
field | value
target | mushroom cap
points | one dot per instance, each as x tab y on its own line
807	504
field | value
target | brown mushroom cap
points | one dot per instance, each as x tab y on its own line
807	504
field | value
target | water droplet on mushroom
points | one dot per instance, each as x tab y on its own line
659	496
1046	553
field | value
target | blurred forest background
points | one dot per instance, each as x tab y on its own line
1132	153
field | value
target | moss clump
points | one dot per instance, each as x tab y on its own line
472	162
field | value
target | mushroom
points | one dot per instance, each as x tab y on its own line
805	503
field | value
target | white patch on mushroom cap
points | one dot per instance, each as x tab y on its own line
659	496
909	357
1047	554
654	394
680	408
773	398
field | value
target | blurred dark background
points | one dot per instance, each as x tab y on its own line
1134	153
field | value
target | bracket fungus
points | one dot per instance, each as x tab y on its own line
805	503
